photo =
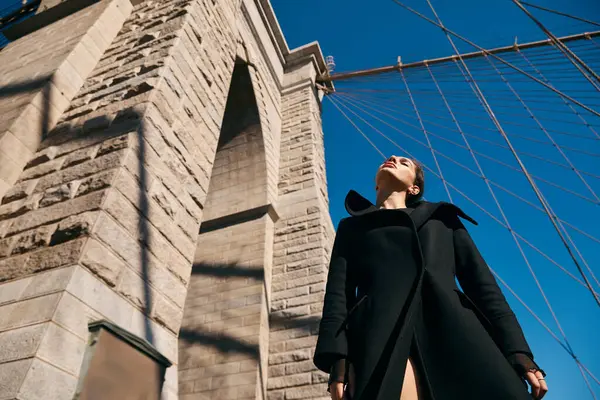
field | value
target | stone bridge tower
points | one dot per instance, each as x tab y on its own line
164	203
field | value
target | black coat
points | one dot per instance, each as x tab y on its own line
391	293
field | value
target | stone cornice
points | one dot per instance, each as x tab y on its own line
311	51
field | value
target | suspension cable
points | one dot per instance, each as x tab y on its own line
426	135
566	102
543	129
583	260
380	106
572	57
561	13
357	128
533	185
353	102
450	32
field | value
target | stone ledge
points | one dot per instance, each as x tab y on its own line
240	217
46	18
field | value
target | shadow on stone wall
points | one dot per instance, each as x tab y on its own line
99	128
227	344
93	131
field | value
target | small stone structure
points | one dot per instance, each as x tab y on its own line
162	168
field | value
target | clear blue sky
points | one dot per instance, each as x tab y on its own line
362	35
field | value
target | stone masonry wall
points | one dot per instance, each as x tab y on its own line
116	194
220	345
103	220
40	74
220	335
303	239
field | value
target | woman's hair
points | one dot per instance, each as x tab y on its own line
419	181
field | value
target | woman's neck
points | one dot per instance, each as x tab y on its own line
391	200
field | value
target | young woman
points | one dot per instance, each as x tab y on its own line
395	324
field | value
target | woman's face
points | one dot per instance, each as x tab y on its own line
396	173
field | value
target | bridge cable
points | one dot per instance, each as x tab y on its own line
450	32
414	105
470	79
571	56
560	13
353	101
344	104
565	102
566	159
490	142
565	345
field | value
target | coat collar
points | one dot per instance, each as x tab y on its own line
357	205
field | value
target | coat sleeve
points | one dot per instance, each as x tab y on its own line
332	344
481	287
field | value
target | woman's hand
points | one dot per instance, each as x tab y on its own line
536	380
336	389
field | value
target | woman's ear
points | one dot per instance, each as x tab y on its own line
414	190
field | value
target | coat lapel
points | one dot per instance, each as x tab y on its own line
357	205
423	211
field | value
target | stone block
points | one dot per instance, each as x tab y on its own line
97	295
12	291
12	267
130	189
102	262
159	194
12	375
10	170
135	289
172	378
62	349
4	225
31	240
119	241
44	381
96	182
146	233
28	312
114	144
47	282
234	379
6	246
56	212
83	58
83	170
4	187
20	191
74	226
293	356
56	256
21	343
169	394
67	80
14	148
73	315
42	169
19	207
80	156
167	314
289	381
29	127
50	100
168	284
41	157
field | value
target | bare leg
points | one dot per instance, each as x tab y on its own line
409	387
